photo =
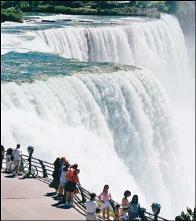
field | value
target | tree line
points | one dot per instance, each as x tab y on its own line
13	10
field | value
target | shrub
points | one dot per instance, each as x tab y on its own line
45	8
75	11
160	5
11	14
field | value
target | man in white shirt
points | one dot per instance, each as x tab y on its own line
16	154
91	208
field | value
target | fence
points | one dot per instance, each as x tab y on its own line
45	170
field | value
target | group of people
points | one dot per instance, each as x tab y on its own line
12	156
66	182
127	211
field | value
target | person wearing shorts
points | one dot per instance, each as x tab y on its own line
71	185
63	179
105	198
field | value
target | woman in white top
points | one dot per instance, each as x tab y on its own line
91	208
63	180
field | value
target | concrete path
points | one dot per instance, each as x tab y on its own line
24	199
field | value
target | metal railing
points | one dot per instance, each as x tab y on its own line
45	170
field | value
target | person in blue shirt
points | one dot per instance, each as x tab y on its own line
134	208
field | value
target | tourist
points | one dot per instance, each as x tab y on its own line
134	208
2	154
16	155
117	212
8	160
91	208
125	204
72	181
56	173
105	198
63	179
63	161
124	215
125	201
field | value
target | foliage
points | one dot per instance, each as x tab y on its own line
189	215
74	11
160	5
45	8
89	7
11	14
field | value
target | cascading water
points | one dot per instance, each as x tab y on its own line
118	112
158	45
116	124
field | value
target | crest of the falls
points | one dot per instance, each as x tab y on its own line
160	42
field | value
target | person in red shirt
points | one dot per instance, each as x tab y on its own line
72	181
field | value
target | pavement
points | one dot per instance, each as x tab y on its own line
26	199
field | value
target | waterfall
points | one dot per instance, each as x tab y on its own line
160	42
117	125
157	45
123	115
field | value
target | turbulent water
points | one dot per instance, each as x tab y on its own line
116	121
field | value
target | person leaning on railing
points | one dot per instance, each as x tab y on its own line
71	185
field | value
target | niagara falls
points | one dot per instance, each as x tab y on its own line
114	94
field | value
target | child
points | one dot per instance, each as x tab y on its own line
124	216
117	212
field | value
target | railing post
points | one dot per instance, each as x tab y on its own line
43	168
82	194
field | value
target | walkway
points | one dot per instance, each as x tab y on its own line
24	199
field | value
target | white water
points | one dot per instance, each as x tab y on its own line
22	43
157	45
157	42
97	119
